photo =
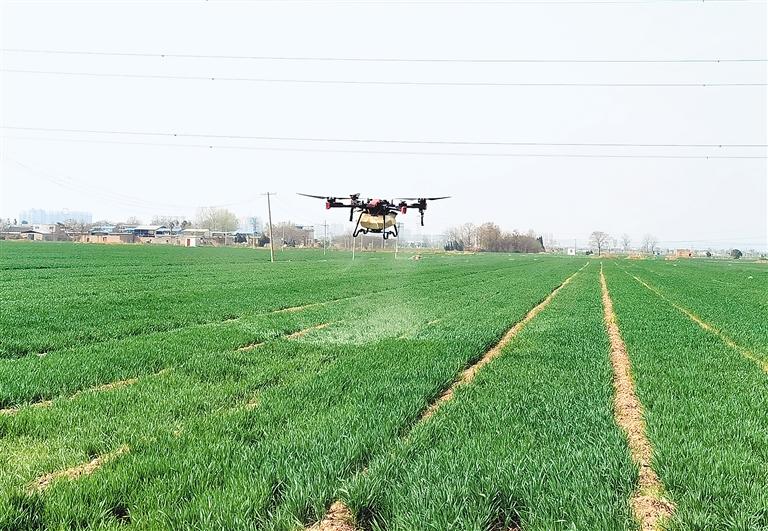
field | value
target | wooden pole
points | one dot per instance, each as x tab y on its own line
271	239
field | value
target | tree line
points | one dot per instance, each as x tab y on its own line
489	237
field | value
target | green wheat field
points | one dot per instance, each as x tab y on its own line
151	387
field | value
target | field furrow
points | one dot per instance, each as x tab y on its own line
759	359
705	412
731	296
648	503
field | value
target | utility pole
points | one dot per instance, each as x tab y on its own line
399	227
271	239
325	235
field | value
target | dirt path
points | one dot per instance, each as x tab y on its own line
744	351
339	517
648	503
43	482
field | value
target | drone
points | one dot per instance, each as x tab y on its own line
377	216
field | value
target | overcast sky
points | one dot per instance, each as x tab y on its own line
684	201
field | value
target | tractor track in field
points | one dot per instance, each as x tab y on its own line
725	338
85	469
649	506
339	517
228	319
12	410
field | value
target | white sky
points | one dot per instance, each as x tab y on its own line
718	202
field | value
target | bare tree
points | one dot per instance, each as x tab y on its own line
76	226
216	219
599	240
463	235
626	242
292	235
133	220
649	243
489	237
167	221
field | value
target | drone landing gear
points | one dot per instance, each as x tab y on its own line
388	233
358	230
384	232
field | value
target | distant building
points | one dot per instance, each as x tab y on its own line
36	232
36	215
114	237
149	231
103	229
196	233
683	253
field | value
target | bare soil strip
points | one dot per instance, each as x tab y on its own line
252	346
300	308
43	482
339	517
708	327
98	389
306	331
469	373
294	335
648	503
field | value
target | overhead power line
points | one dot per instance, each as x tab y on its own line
162	55
377	141
444	3
426	153
117	198
376	82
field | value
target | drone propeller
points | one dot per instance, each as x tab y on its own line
313	196
424	198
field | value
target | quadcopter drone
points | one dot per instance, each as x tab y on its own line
377	215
